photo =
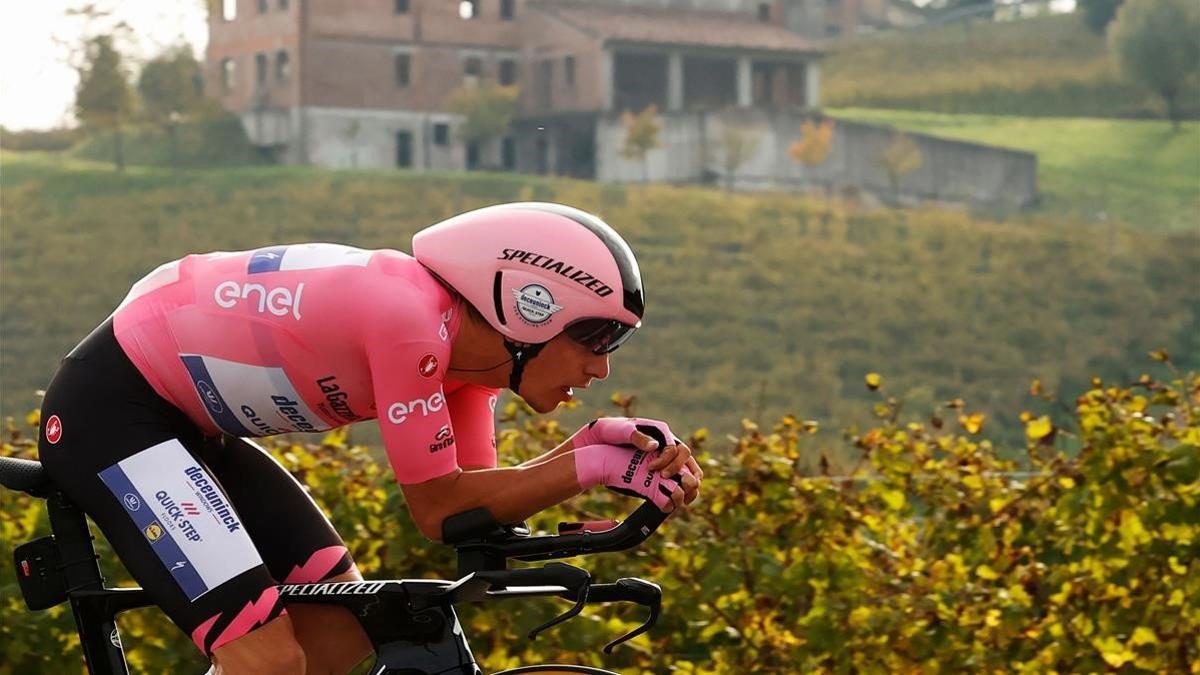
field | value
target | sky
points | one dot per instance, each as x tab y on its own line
37	81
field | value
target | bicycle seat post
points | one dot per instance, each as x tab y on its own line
81	572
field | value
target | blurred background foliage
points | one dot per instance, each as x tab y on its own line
758	305
929	553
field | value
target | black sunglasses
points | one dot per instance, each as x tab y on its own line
601	336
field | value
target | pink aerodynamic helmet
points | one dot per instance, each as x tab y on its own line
535	270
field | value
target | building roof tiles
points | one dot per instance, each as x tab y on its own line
682	27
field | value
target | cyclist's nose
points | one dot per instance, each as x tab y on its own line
597	366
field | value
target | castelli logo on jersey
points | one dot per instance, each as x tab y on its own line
535	304
279	301
53	429
400	411
428	365
559	267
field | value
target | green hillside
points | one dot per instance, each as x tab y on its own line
1049	66
1089	170
759	305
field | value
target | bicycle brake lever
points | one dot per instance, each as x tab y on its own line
565	616
643	593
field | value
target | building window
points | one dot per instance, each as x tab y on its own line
260	70
472	69
508	72
764	12
469	9
263	6
403	149
283	5
506	9
401	6
441	134
403	64
569	70
472	156
228	75
508	152
833	29
547	83
283	66
229	9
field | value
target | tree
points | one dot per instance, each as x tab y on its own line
738	145
1097	14
900	158
487	110
1154	43
171	86
104	99
641	135
814	144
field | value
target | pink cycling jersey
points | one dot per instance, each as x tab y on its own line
308	337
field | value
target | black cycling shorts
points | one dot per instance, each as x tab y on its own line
208	525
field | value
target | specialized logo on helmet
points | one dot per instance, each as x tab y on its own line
535	304
551	265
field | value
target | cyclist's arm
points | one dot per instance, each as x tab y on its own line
512	494
473	418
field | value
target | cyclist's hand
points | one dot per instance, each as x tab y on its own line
622	431
672	459
627	470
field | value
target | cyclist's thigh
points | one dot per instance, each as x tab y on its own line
299	546
295	539
130	460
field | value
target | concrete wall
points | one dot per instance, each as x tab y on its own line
692	150
340	138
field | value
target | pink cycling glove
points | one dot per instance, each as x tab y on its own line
619	430
625	470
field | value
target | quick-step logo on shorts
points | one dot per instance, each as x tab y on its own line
247	400
183	516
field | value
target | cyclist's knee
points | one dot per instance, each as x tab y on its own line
272	650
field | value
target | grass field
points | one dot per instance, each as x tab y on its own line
1049	66
1138	172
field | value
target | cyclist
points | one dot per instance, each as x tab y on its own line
145	422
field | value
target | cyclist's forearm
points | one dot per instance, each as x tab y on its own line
512	494
565	446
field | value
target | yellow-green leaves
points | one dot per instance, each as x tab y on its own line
1039	428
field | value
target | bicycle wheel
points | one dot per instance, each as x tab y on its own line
556	669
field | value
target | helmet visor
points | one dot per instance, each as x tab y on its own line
601	336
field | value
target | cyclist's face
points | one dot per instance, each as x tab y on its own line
563	364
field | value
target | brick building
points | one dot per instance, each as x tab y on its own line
364	83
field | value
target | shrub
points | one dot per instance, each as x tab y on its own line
932	553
